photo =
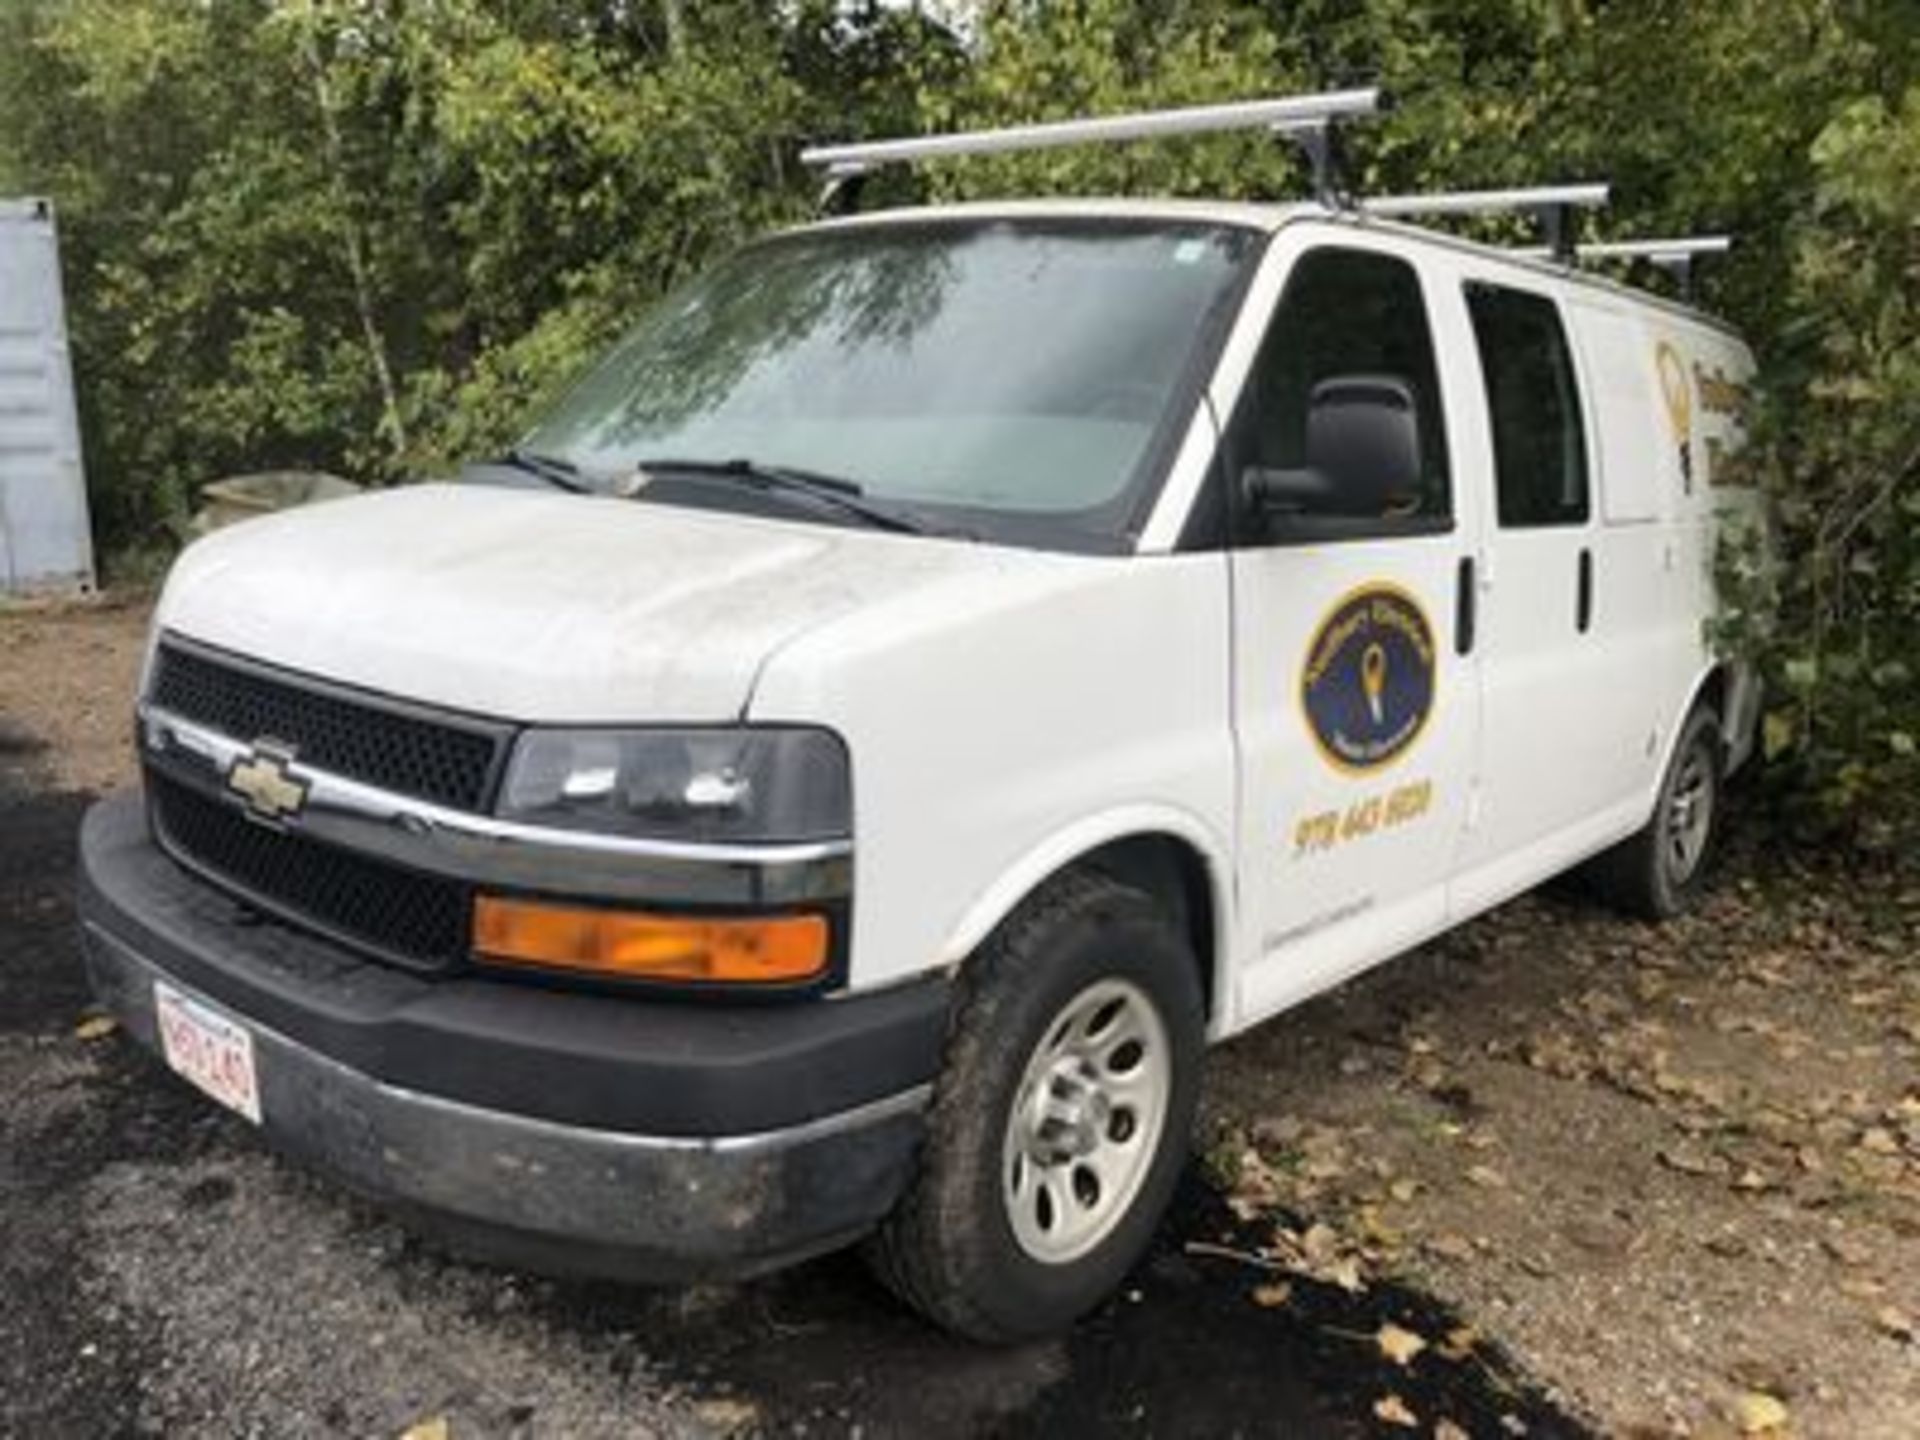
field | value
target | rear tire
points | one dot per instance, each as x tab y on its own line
1061	1120
1658	872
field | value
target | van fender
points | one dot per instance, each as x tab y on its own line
1068	844
1715	672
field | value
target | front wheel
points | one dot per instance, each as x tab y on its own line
1659	871
1061	1120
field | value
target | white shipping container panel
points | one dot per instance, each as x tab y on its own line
45	540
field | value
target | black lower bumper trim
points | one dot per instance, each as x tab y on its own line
558	1197
584	1133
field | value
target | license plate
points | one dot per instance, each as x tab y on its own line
209	1049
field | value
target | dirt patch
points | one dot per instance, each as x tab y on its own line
68	673
1677	1167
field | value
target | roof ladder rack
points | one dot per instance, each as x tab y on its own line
1674	255
1308	120
1554	206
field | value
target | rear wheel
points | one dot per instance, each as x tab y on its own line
1659	872
1061	1120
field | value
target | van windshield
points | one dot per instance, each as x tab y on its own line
1015	379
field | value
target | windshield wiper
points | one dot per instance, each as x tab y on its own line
837	492
562	474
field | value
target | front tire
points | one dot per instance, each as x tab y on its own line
1061	1120
1658	872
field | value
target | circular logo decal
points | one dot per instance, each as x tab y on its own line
1369	683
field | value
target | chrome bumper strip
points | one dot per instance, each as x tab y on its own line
487	851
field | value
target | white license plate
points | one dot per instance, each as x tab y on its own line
208	1048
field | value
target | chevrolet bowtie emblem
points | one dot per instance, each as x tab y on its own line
264	779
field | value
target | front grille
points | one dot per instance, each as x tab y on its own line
448	760
419	920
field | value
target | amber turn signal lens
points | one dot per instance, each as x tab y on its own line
771	949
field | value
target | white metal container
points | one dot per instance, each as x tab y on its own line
45	539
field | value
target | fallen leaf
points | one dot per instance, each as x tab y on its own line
1404	1190
434	1428
1376	1232
1860	1287
1846	1250
1273	1295
1346	1274
730	1417
1750	1180
95	1027
1691	1159
1399	1345
1320	1241
1758	1413
1392	1410
1879	1141
1457	1343
1893	1322
1447	1430
1486	1177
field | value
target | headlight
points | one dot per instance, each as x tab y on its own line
748	783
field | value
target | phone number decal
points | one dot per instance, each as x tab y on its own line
1315	834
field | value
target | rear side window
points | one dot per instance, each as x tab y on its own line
1345	313
1533	399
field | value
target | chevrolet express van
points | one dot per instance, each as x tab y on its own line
940	671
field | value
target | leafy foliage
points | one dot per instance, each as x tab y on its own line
370	235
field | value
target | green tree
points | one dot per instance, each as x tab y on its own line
370	234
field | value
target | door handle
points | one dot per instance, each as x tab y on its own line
1583	604
1463	607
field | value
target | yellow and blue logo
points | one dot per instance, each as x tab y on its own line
1370	679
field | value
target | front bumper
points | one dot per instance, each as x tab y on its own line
583	1133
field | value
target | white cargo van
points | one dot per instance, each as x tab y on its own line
941	670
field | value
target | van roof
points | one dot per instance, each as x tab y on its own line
1267	218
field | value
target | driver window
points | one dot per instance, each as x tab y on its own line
1345	313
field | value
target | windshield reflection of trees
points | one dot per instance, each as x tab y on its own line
692	356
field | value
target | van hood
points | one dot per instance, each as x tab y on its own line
544	607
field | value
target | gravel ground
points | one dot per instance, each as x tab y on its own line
1575	1173
1677	1168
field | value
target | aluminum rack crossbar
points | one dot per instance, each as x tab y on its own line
1285	113
1658	251
1486	202
1675	255
1554	206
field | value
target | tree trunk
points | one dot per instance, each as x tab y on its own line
354	246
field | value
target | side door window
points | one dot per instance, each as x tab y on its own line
1533	401
1345	314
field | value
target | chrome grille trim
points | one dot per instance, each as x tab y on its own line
485	851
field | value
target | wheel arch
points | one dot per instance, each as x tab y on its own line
1168	853
1717	687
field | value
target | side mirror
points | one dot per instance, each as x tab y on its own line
1362	453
